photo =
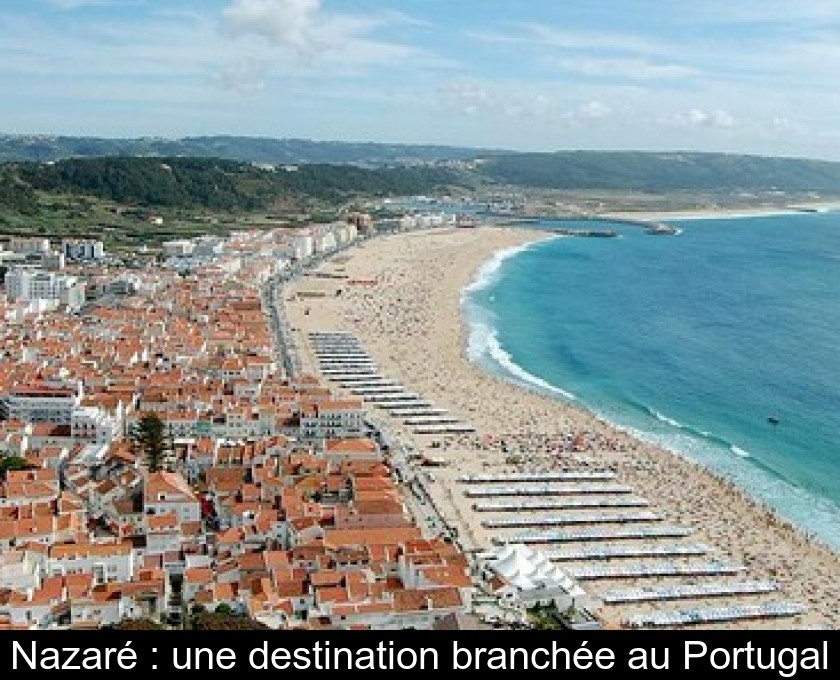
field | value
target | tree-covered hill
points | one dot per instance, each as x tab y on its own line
15	195
247	149
218	184
655	172
662	172
212	183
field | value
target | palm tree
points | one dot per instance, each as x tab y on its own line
149	437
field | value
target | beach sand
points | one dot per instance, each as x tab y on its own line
720	213
410	321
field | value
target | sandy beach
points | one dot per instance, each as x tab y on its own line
717	213
401	296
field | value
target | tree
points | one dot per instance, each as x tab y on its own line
151	441
214	621
543	616
13	463
137	624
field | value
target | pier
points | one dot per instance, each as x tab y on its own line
587	233
650	226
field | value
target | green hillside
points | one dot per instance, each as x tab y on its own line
213	183
662	172
248	149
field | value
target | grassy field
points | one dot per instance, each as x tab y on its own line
126	227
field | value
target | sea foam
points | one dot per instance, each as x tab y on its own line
488	273
768	483
483	345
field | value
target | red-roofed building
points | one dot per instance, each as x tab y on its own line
336	450
106	561
163	533
337	538
169	493
333	418
196	579
371	514
41	403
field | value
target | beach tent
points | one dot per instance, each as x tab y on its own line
529	577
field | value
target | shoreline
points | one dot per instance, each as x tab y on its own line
415	302
724	213
522	379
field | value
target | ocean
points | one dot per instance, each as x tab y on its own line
720	343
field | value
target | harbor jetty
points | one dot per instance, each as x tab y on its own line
650	226
563	231
596	233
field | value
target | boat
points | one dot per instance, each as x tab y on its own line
773	420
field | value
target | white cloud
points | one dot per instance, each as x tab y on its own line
246	77
468	98
591	111
784	129
604	75
630	69
697	118
492	102
797	54
286	23
783	124
310	35
543	35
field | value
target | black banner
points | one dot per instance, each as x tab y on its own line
781	654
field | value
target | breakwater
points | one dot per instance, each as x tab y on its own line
650	226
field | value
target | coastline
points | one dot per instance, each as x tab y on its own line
723	213
413	325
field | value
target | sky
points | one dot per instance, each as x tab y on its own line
741	76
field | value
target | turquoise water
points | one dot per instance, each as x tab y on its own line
691	341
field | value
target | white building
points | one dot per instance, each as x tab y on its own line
84	250
41	404
179	248
19	570
208	247
93	425
123	285
529	578
325	242
106	561
52	260
37	284
99	611
408	222
339	419
168	493
29	246
303	246
345	233
163	534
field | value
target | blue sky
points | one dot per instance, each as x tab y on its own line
754	76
